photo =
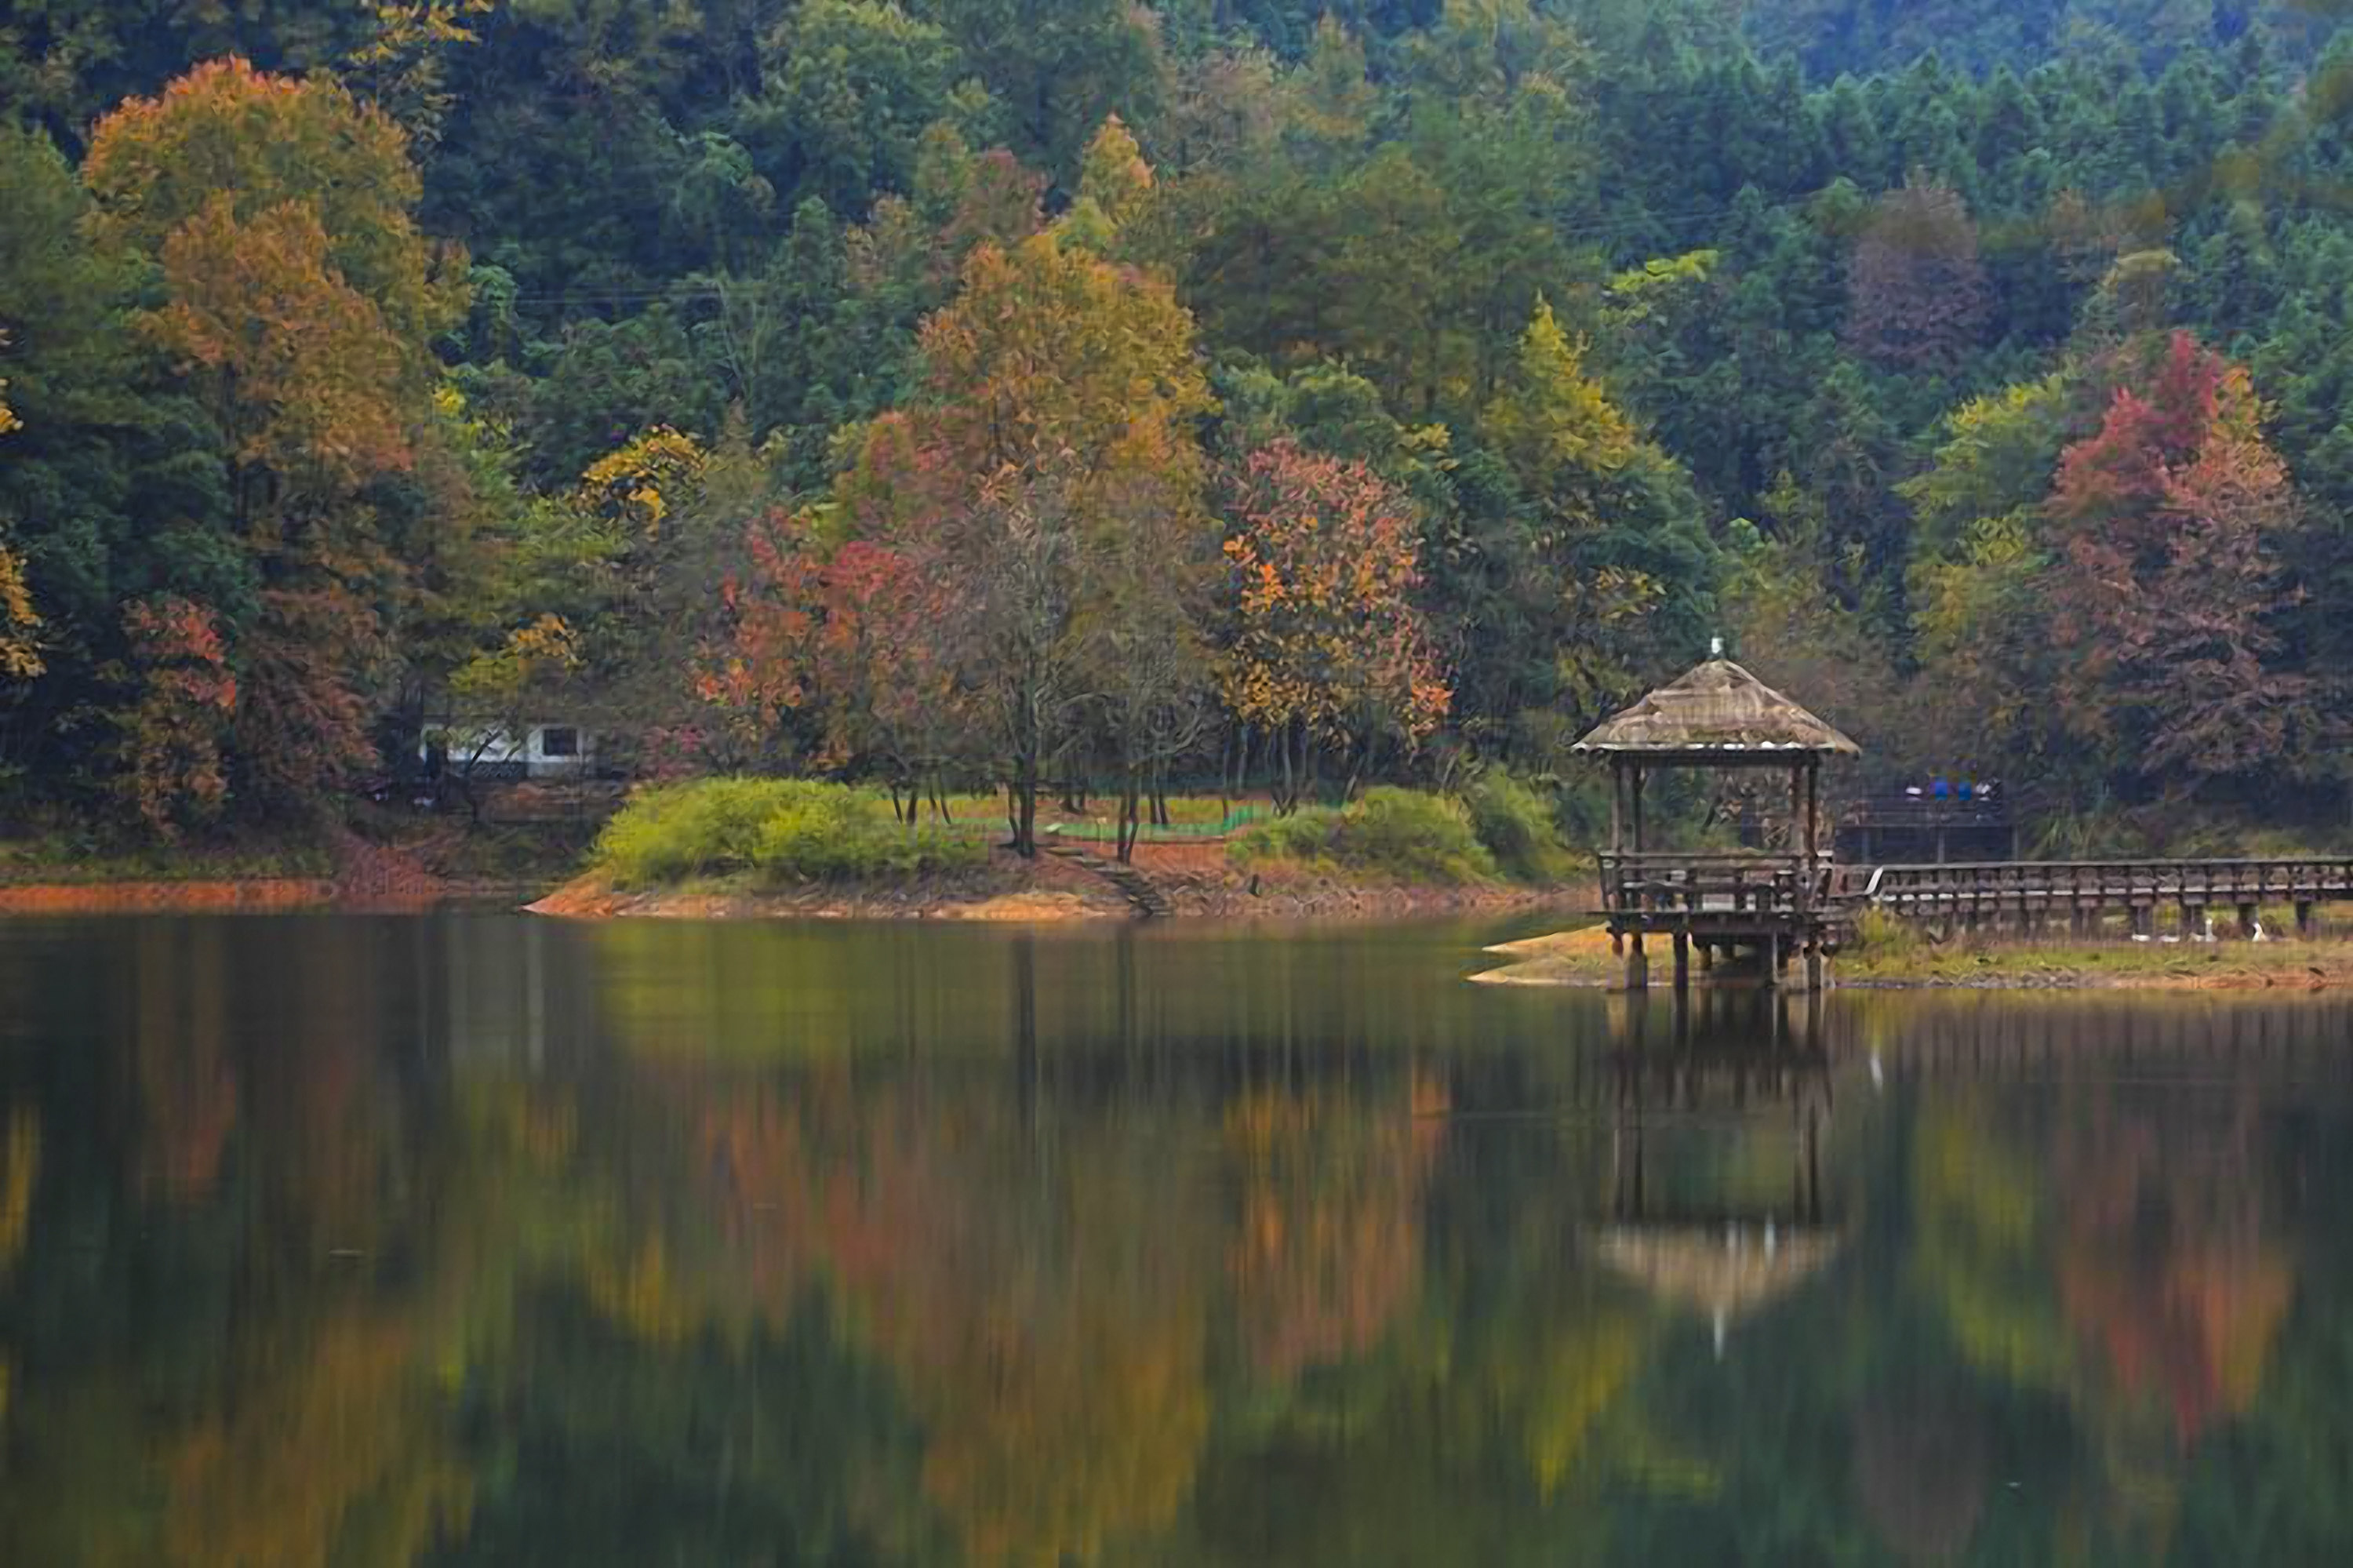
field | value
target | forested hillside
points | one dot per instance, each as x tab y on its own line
1020	390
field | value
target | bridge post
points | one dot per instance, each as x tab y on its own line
1637	965
1682	962
2248	915
1815	968
2303	917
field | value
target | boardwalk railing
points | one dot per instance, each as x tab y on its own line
2035	889
1650	883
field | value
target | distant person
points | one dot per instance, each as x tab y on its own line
1968	790
1940	787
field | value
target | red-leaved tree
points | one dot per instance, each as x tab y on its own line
846	638
2170	583
168	735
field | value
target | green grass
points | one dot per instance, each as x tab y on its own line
773	830
1389	834
65	857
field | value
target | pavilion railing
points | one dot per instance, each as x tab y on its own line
1653	883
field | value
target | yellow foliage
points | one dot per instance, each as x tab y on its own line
20	624
404	25
644	480
544	650
1114	175
1557	423
9	420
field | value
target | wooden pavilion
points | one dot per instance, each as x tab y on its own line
1776	905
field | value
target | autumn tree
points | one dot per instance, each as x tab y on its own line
1047	480
1916	296
170	733
846	639
20	624
301	298
2171	585
1329	645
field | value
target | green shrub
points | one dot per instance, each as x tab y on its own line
1517	824
779	830
1400	835
1883	934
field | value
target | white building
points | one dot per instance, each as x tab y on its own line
493	751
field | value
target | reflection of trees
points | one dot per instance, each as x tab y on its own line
2164	1262
339	1452
2125	1264
1328	1245
1041	1304
1067	1262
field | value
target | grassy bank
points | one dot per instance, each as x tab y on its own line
754	848
771	832
1898	959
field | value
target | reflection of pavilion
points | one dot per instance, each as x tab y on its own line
1739	1247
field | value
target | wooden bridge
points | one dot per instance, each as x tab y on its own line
2030	895
1781	905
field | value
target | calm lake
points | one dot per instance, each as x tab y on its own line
482	1239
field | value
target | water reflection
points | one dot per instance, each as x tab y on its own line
477	1239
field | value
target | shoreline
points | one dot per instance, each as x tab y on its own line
1054	891
1580	959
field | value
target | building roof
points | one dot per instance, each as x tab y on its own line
1721	710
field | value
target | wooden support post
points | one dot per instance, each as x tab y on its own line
1638	808
2303	917
1682	962
2144	920
2248	915
1617	806
1816	970
1638	965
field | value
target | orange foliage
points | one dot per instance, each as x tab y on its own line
303	369
170	735
1327	559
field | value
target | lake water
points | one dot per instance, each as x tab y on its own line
478	1239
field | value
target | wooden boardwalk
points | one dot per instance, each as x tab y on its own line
2032	894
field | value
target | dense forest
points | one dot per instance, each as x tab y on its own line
1016	391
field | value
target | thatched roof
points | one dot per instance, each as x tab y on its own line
1718	708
